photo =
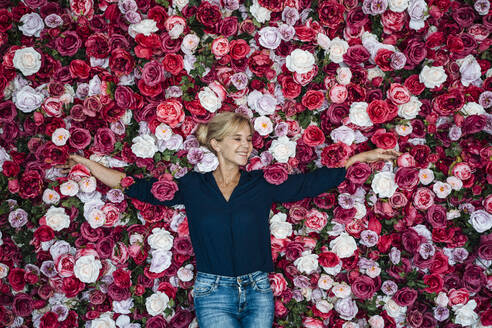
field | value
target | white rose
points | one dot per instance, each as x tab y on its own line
384	184
344	75
163	132
324	306
358	114
323	41
88	184
442	299
96	218
145	27
69	188
300	61
32	25
338	48
60	136
27	99
50	196
144	146
282	149
481	220
426	176
398	6
343	134
103	322
442	189
4	269
263	125
261	14
432	77
454	182
280	229
465	315
263	104
161	260
393	309
341	290
376	321
209	100
472	108
325	281
307	263
123	307
156	303
180	4
185	274
403	129
57	219
27	60
344	245
86	268
470	70
160	239
411	109
190	43
375	72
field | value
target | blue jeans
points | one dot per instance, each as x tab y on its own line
244	301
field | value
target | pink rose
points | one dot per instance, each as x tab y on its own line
462	171
316	220
358	173
220	47
338	94
164	188
458	296
363	287
64	265
406	160
407	178
278	283
423	198
276	173
152	73
405	296
104	140
398	94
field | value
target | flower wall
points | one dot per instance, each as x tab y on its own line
125	83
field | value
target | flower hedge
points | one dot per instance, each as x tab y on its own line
125	83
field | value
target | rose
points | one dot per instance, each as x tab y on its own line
209	100
49	319
347	308
160	239
173	63
300	61
335	154
313	136
239	48
363	287
57	219
355	55
316	220
405	296
338	94
313	99
384	184
164	188
307	263
269	37
481	220
383	139
79	69
16	279
32	24
27	99
22	305
208	14
338	48
343	246
68	43
359	115
407	178
423	198
156	303
275	173
27	60
358	173
458	296
121	62
330	13
398	94
171	112
31	184
432	77
87	268
290	89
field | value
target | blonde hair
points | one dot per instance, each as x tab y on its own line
220	126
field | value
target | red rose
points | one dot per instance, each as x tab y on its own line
7	111
290	89
458	296
344	215
276	173
392	21
171	112
5	20
313	99
486	318
448	103
435	283
31	184
79	69
10	169
356	55
363	287
415	52
121	62
208	14
405	296
328	259
82	8
49	320
474	124
104	140
149	91
152	73
79	138
22	305
16	279
125	97
260	63
44	233
407	178
439	263
474	278
118	294
273	5
378	111
331	14
97	46
68	43
313	136
335	154
156	322
239	48
412	83
383	59
358	173
173	63
181	319
164	188
383	139
436	216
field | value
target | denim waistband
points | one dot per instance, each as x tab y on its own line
226	280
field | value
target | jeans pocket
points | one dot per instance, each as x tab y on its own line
262	284
203	288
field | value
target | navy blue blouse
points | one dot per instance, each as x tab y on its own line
232	238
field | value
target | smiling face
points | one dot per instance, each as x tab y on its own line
235	148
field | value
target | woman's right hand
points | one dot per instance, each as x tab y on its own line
72	160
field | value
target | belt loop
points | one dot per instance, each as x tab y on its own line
251	277
217	280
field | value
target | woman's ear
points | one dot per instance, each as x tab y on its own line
215	145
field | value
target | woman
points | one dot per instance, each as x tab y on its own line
228	212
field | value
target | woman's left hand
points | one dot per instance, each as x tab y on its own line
378	154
